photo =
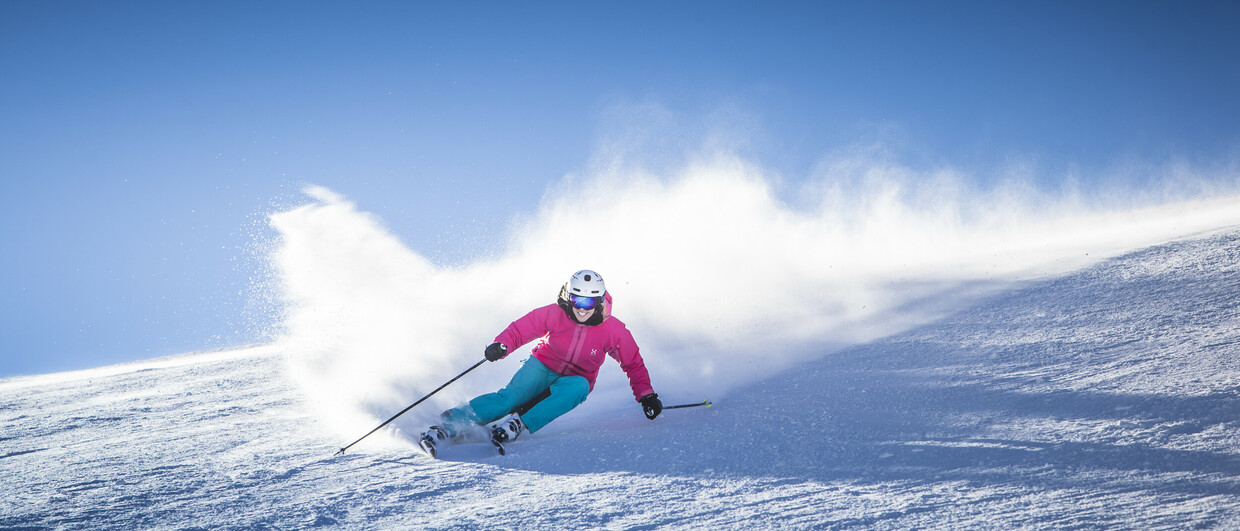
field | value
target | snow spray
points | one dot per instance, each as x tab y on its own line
721	281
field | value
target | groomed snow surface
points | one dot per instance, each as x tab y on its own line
1105	398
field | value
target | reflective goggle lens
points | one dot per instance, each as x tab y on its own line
585	303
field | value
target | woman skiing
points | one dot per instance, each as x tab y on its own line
575	334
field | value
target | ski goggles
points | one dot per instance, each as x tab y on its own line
585	303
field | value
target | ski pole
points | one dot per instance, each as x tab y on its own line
402	412
695	404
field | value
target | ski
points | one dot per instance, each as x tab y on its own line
431	449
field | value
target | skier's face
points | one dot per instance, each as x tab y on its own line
583	315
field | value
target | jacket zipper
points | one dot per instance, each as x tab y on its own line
574	347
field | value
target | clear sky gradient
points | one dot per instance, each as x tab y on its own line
142	143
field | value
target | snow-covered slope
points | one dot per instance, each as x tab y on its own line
1104	398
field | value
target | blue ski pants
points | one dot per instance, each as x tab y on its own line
567	392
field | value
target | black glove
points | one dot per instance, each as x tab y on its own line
495	351
651	405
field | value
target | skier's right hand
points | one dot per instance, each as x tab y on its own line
651	405
495	351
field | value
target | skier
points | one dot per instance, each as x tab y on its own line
575	334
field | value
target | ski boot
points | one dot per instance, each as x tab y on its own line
430	438
507	429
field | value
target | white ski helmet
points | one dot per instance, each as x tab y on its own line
586	283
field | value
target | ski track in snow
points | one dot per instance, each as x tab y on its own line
1105	398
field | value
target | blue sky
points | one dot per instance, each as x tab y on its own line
143	142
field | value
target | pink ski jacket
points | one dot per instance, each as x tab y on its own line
571	348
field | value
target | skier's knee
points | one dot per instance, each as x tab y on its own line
572	389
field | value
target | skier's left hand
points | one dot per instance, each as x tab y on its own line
651	405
